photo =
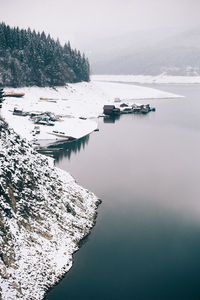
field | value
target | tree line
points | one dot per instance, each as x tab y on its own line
1	96
30	58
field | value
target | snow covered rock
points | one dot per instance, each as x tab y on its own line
43	216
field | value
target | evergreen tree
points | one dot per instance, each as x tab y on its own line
1	95
28	58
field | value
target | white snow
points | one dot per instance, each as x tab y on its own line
162	78
45	221
43	247
71	102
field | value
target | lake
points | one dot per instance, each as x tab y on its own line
146	170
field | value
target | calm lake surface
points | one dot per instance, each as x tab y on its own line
146	169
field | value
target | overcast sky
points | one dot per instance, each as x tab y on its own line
81	19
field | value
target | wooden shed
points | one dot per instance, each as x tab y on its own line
108	109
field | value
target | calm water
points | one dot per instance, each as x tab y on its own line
146	169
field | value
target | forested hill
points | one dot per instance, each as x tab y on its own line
170	51
28	58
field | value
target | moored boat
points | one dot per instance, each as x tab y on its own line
126	110
19	112
12	94
59	134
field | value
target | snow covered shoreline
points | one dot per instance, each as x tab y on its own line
70	103
45	213
44	216
148	79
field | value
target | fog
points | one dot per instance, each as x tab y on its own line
118	36
79	21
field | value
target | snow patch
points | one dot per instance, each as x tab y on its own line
85	100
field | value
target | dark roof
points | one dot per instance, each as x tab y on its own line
109	106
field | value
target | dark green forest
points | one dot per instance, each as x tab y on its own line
28	58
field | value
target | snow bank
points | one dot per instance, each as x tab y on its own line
148	79
70	103
43	216
132	92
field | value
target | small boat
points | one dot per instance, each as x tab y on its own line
12	94
59	134
123	105
116	111
141	108
44	99
126	110
19	112
42	120
136	110
48	99
144	110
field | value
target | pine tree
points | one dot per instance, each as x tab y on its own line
1	95
28	58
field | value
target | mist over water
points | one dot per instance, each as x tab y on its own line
146	169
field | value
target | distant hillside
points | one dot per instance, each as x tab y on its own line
148	53
28	58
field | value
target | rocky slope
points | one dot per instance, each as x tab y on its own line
43	216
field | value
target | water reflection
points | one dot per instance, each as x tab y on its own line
64	150
111	119
67	148
146	242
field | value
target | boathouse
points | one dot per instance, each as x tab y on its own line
108	109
